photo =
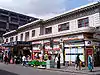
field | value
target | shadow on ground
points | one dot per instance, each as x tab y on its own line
3	72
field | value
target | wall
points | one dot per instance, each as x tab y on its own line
94	20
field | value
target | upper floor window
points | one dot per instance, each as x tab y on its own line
83	22
64	26
26	36
6	40
11	39
21	37
48	30
33	33
16	38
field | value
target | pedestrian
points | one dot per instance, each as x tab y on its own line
90	64
6	59
23	60
77	62
58	62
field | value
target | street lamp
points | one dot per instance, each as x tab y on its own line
62	50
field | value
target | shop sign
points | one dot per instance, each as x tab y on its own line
97	35
45	41
96	43
88	43
72	37
37	42
57	40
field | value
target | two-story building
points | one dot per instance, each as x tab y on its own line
71	33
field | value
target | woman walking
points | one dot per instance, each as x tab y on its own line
90	64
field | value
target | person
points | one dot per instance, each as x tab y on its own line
58	62
77	62
90	64
23	60
6	59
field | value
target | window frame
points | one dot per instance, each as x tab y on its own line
47	29
21	37
33	31
84	22
60	26
26	39
16	38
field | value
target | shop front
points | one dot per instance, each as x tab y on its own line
73	46
37	50
18	49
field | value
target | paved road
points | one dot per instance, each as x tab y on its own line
20	70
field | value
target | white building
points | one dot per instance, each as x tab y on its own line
76	31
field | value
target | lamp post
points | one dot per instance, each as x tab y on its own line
62	50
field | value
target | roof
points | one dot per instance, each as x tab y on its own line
29	24
9	32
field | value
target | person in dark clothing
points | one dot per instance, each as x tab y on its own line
6	59
77	62
58	62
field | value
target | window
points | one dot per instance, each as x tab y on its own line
16	38
48	30
11	39
26	36
21	37
33	33
83	22
6	40
64	26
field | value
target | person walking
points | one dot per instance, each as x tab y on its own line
23	60
77	62
90	64
6	59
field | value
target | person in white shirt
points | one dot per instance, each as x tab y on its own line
23	60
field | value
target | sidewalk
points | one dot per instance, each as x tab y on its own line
71	69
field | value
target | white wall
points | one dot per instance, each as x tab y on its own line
94	20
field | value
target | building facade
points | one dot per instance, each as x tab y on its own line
11	21
71	33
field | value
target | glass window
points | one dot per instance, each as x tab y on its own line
21	37
64	26
26	36
6	40
83	22
48	30
11	39
33	33
16	38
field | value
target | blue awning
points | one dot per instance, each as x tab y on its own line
16	43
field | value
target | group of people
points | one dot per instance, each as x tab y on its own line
79	64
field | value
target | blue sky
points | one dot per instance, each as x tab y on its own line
76	3
42	8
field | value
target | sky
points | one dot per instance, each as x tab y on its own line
43	9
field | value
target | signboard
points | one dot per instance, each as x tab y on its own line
37	42
88	43
72	37
97	35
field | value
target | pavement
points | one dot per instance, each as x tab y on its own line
13	69
71	69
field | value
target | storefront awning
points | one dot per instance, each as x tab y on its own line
17	43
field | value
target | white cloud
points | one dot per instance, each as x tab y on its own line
93	0
38	8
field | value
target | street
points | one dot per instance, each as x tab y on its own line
12	69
